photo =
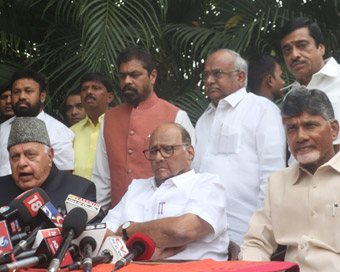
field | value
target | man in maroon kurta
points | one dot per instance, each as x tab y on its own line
126	128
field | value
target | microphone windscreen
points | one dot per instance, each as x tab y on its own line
76	219
148	246
87	240
29	202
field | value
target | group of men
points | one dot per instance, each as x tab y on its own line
139	154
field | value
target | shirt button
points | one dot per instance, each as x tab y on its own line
129	171
130	151
132	132
314	186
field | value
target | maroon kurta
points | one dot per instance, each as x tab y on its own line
126	134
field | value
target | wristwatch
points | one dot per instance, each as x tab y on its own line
124	228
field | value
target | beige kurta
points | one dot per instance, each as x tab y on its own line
302	211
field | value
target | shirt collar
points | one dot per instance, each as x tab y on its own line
177	180
87	120
329	69
334	163
232	99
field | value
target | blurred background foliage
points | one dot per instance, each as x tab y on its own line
63	39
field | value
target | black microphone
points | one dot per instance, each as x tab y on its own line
74	224
104	258
141	247
87	245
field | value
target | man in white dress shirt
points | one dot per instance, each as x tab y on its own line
28	96
240	138
183	212
303	49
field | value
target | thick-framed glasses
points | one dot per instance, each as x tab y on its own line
217	74
166	151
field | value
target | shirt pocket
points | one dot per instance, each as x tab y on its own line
229	140
169	209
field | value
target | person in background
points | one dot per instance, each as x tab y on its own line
125	129
240	138
74	110
28	96
303	49
96	92
265	77
6	109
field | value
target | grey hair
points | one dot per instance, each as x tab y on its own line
46	148
301	99
240	63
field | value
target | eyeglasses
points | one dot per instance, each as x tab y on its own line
218	73
166	151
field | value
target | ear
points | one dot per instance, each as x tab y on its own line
334	129
50	154
110	97
153	76
241	78
322	49
270	80
191	153
42	97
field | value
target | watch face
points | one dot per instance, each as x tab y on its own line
126	225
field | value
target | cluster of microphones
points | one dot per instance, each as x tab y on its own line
33	233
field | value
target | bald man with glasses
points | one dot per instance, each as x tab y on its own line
239	137
180	210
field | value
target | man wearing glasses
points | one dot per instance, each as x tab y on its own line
180	210
240	138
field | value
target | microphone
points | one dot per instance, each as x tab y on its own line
92	209
43	216
42	255
141	248
52	213
5	240
44	234
73	226
87	245
96	231
115	246
106	258
29	203
25	263
12	218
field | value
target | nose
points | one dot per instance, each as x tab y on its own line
209	79
22	161
22	95
159	157
8	100
301	135
74	111
295	53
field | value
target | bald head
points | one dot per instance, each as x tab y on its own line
170	151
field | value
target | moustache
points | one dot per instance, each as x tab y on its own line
129	88
295	61
22	102
90	96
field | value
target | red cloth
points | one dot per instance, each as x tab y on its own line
205	266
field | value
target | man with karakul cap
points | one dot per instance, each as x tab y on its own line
31	160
